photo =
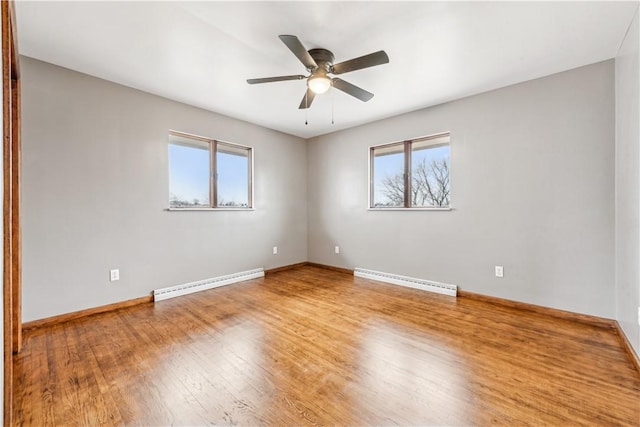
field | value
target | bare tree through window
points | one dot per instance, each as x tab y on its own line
426	183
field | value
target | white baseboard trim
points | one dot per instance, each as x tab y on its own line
411	282
201	285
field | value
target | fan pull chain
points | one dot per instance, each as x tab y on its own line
332	105
306	109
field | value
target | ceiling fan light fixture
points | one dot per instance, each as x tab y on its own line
320	63
319	84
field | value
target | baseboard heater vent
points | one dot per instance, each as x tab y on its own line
425	285
202	285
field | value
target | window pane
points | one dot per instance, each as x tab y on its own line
430	173
188	173
233	164
388	176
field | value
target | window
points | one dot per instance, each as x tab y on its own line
205	173
411	174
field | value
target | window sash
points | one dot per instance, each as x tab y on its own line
234	150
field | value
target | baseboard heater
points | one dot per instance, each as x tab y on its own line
202	285
425	285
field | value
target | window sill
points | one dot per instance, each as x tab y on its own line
410	209
208	209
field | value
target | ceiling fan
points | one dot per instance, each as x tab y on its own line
319	63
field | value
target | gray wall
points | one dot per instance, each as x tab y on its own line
95	193
532	190
627	230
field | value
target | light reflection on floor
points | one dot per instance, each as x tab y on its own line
227	377
396	372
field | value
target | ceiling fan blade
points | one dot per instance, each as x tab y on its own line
274	79
307	99
352	90
299	51
366	61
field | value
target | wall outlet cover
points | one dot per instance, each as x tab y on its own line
499	271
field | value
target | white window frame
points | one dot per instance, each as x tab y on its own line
213	175
436	138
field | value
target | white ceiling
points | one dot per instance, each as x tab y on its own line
201	53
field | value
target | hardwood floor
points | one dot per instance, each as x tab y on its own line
313	346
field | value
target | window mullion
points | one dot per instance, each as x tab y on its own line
213	176
407	174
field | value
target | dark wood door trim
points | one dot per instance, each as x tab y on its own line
12	243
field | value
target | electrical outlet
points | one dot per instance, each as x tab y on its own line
114	275
638	315
499	271
275	250
337	249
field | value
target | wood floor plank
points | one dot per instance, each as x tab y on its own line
37	409
310	346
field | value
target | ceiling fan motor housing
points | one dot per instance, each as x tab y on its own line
324	58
